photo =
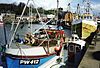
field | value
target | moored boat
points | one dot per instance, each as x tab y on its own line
38	48
84	24
76	46
35	52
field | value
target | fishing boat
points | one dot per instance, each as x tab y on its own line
84	24
76	40
75	49
42	48
65	18
36	52
68	17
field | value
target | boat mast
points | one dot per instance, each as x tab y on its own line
78	10
87	6
5	33
57	8
77	14
69	7
37	11
31	16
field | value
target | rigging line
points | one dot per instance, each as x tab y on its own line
42	22
46	33
18	23
31	18
61	54
29	15
42	42
42	26
40	18
21	51
12	26
11	65
37	11
17	53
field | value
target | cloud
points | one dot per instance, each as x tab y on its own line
96	6
48	4
7	1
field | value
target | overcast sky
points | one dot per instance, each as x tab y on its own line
49	4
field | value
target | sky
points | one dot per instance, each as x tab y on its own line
50	4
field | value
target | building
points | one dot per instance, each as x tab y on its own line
8	17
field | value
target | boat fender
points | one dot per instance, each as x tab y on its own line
57	50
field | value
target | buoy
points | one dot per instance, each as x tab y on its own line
57	48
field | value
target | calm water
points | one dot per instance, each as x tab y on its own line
22	29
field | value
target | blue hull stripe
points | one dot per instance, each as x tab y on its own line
14	62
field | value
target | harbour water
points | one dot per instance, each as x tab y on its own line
22	30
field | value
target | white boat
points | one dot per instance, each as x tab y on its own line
75	48
76	40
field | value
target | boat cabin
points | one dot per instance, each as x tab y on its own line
87	16
75	45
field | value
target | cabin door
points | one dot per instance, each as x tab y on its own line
72	50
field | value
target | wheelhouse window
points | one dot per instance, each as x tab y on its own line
84	17
72	38
76	38
90	17
71	48
78	48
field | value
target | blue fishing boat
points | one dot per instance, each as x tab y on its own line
36	50
41	48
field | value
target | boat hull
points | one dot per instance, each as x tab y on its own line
85	28
15	62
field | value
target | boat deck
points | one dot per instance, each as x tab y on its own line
88	61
